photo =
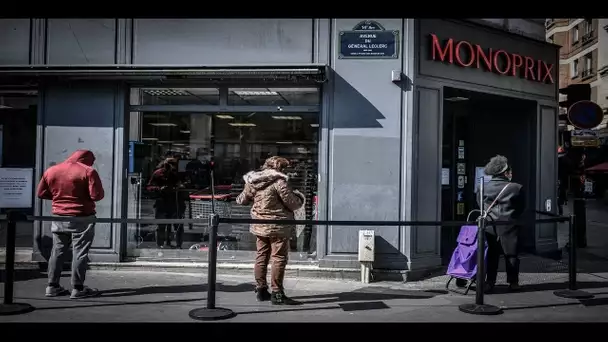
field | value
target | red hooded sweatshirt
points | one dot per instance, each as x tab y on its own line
74	185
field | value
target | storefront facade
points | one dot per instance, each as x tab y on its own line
362	125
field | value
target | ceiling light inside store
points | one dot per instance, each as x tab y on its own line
163	124
185	132
149	139
224	116
179	144
165	92
457	98
285	142
314	125
242	124
255	93
287	117
5	107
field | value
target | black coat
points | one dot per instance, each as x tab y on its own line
510	206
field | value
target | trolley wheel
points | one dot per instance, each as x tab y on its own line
461	283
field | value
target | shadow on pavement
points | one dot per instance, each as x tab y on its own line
502	289
368	294
290	309
347	307
178	289
104	304
27	274
586	302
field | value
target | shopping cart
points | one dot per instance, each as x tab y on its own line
200	206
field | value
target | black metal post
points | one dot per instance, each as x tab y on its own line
580	211
572	292
212	313
212	275
481	264
479	308
8	307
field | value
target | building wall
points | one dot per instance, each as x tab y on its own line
370	161
591	39
85	116
430	78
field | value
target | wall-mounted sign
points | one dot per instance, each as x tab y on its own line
16	188
461	182
469	55
585	115
369	40
461	169
460	209
584	138
445	176
460	196
461	153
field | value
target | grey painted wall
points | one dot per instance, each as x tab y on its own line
364	139
379	156
86	116
222	41
15	41
81	41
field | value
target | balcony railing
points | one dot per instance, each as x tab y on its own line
603	71
587	37
549	23
606	27
587	73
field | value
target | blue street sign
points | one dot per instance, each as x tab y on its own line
585	114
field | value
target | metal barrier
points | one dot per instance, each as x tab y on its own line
8	307
211	312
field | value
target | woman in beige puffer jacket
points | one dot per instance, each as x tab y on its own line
273	199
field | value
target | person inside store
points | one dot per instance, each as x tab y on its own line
503	200
198	169
169	204
273	199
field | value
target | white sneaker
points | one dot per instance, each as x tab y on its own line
84	293
52	291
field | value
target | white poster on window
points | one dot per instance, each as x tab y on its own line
445	176
1	147
16	188
479	173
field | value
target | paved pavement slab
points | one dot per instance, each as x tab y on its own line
168	297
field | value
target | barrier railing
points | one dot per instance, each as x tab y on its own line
211	312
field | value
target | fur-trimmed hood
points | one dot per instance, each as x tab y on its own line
262	179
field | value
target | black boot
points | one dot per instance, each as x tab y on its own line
279	298
262	294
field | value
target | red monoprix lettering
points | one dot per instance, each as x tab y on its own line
499	61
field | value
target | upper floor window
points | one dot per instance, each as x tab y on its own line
588	67
574	68
588	27
575	35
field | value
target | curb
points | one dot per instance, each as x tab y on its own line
292	271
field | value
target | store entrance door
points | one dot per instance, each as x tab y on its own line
478	126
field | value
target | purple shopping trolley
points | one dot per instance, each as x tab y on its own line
463	265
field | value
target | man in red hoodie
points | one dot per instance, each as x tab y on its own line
73	187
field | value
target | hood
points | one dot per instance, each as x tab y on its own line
85	157
262	179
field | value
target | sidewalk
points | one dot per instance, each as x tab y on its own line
168	297
597	230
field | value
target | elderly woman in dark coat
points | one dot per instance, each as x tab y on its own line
509	203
